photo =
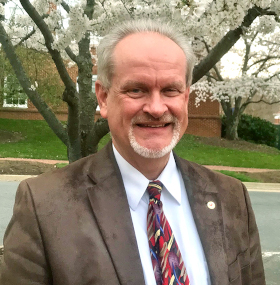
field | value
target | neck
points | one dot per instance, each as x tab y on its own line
151	168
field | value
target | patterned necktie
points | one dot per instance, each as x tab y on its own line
166	257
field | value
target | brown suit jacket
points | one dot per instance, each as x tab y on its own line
73	226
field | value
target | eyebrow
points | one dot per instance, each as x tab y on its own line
175	84
130	83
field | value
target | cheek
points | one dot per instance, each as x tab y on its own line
181	110
131	108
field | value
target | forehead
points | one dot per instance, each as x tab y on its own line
150	47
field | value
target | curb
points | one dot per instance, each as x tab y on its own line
11	178
239	169
261	187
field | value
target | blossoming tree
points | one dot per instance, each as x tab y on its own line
65	28
249	75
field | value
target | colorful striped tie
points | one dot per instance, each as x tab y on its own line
166	257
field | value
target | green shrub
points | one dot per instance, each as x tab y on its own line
256	130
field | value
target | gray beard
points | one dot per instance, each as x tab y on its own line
155	153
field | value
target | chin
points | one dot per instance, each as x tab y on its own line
153	152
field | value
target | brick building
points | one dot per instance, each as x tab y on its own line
203	120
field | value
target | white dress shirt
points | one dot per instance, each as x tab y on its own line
177	211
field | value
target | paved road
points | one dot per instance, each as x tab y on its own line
7	197
266	205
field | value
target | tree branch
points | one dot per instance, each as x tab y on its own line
246	57
32	94
129	13
71	54
102	127
29	35
261	100
220	78
65	6
269	78
245	104
263	60
43	27
225	44
227	108
90	8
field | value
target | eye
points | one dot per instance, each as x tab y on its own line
135	92
171	92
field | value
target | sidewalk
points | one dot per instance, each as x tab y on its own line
261	187
239	169
212	167
48	161
251	186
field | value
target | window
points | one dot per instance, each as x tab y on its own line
13	93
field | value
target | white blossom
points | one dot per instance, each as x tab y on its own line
204	18
199	20
267	24
32	87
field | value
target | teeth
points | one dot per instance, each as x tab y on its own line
154	126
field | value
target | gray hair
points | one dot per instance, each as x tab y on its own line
107	45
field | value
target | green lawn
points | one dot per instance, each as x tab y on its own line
192	150
240	176
40	142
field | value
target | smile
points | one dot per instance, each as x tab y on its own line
152	126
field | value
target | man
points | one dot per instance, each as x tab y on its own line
87	223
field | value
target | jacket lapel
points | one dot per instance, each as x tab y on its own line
111	210
209	222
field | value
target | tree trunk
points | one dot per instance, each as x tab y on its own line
101	128
232	115
87	98
73	128
231	128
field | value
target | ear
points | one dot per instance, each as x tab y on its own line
187	95
101	95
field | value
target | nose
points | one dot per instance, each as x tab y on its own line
155	105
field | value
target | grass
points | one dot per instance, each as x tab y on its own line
40	142
61	164
192	150
240	176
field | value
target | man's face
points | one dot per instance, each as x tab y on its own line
146	105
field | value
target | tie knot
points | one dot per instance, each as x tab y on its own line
154	189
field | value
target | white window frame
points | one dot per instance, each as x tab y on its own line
18	105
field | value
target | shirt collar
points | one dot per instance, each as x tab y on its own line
135	183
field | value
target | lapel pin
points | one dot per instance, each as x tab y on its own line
211	205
